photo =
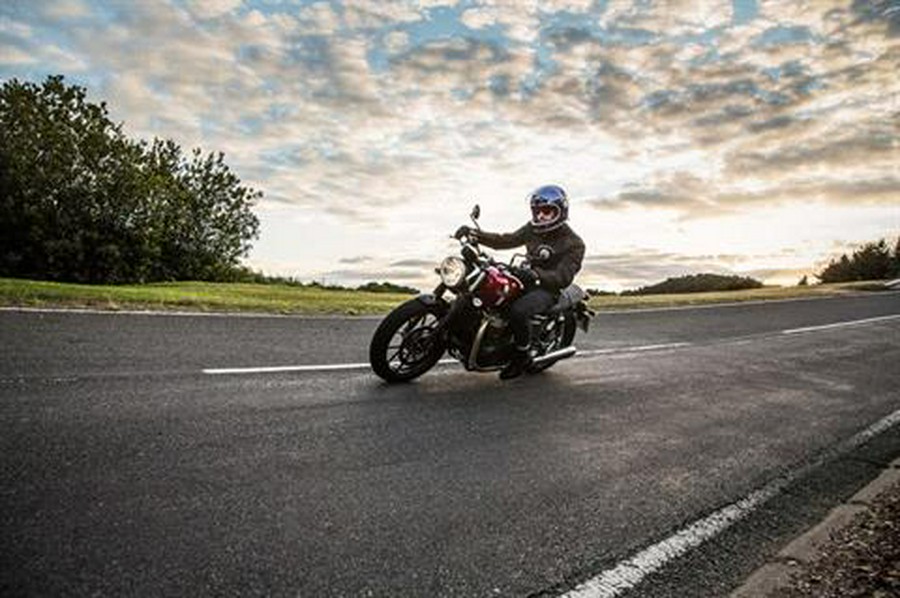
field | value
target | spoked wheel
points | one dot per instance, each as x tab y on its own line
559	338
406	343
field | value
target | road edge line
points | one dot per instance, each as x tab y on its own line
262	314
806	549
630	572
840	324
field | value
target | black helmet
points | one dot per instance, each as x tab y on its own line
549	208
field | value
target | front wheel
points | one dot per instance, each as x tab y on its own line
407	343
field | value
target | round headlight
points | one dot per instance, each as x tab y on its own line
452	271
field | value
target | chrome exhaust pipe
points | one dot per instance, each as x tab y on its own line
563	353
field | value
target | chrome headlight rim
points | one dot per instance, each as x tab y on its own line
452	271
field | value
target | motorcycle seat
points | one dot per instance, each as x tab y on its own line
568	299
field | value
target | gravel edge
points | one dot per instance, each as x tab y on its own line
835	558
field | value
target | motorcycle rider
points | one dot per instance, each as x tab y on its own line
554	254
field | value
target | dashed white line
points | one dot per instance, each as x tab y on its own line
582	353
287	368
612	311
325	367
359	366
839	324
630	572
637	349
604	311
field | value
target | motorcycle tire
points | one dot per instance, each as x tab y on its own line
568	335
417	351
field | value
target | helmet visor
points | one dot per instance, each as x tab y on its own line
544	213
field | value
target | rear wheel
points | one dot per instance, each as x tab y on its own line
559	338
406	343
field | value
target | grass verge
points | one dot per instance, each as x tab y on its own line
285	299
196	296
763	294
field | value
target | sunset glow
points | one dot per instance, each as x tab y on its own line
752	137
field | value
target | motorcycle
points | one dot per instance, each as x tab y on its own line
466	316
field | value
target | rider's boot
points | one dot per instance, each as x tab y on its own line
517	365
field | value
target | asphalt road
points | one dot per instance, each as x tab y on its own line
127	470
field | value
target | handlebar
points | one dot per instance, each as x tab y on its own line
477	254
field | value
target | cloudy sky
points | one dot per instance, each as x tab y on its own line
755	137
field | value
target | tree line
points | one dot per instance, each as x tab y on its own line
82	202
244	274
872	261
698	283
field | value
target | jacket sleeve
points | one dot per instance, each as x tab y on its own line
504	240
564	273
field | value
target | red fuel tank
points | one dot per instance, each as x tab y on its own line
499	288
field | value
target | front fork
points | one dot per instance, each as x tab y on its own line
449	311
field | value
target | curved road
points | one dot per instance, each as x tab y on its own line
128	468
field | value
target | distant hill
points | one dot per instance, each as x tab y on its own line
387	287
698	283
248	275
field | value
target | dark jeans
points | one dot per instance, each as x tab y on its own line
532	302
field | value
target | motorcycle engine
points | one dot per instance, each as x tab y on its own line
496	344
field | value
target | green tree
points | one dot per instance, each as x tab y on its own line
872	261
199	221
839	270
80	201
895	261
60	155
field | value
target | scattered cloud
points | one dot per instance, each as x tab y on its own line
638	266
413	263
66	9
360	259
17	56
211	9
384	115
355	277
691	197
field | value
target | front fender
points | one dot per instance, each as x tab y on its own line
431	300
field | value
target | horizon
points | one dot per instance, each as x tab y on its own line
741	137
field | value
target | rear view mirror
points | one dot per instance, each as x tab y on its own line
476	214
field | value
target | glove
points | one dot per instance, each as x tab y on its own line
466	231
528	277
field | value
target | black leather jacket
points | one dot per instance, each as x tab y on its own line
555	256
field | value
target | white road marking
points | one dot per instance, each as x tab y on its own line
287	368
660	347
839	324
359	366
630	572
582	353
325	367
607	311
749	303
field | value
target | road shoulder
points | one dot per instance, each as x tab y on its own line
838	547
